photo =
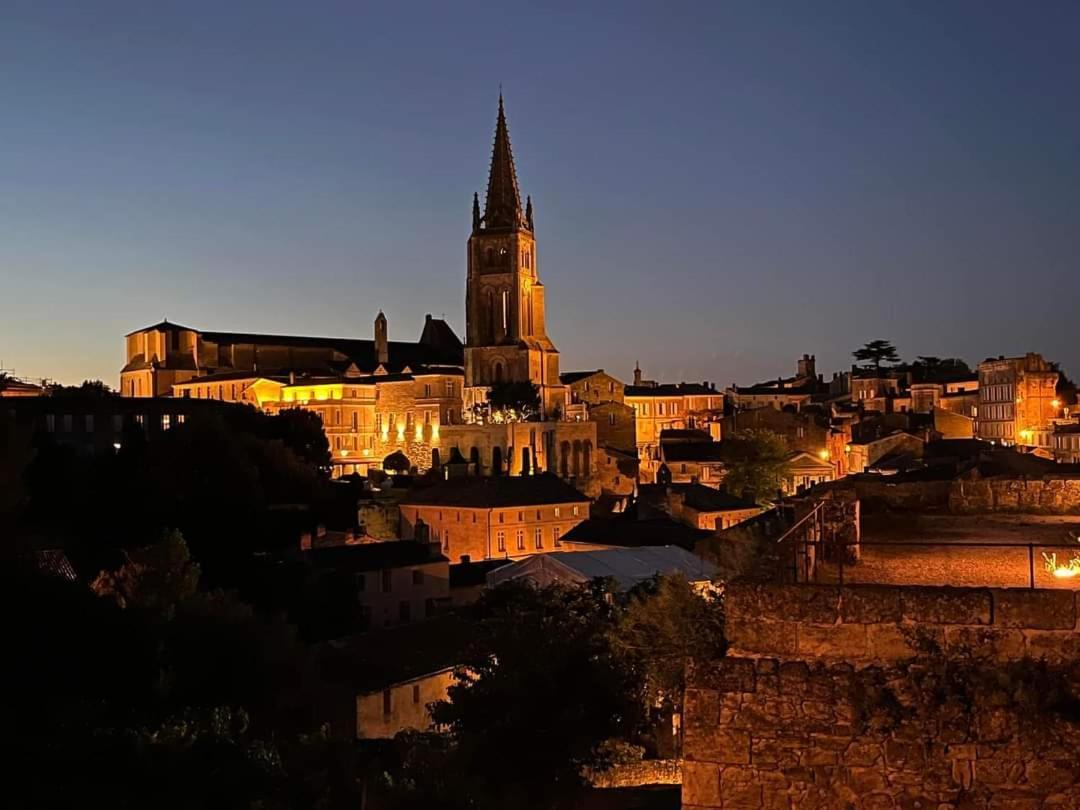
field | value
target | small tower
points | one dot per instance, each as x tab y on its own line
382	345
637	373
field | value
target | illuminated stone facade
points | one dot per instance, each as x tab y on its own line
1017	399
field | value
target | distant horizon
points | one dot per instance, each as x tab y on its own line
717	190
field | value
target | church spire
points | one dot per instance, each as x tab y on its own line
502	207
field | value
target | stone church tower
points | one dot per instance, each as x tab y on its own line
506	339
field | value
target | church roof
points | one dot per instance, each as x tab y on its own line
502	206
571	377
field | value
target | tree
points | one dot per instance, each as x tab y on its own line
877	352
544	682
664	625
156	578
520	399
935	369
89	388
756	463
397	462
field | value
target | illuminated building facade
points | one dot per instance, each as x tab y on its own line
1017	400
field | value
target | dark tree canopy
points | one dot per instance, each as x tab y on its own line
519	396
756	462
544	682
877	352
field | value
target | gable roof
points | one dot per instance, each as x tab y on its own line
671	390
628	531
571	377
692	451
373	556
497	492
626	566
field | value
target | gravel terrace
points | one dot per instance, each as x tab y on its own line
914	563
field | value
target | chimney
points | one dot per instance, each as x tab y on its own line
637	373
382	346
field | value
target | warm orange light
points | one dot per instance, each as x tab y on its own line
824	455
1055	403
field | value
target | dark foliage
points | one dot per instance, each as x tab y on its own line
877	352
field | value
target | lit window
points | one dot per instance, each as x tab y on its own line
558	511
500	539
538	537
520	537
575	511
165	421
556	533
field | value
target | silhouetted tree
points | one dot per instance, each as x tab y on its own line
877	352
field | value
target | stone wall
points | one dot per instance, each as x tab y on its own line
878	624
637	774
780	735
836	698
1053	496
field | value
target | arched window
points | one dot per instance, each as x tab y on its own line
577	458
564	460
586	457
505	311
496	461
497	372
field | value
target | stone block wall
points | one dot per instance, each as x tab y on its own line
834	698
878	624
1052	496
769	734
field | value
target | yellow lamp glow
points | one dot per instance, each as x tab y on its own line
1055	403
824	455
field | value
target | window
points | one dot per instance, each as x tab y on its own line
66	423
449	388
427	390
520	540
500	539
418	576
50	422
575	511
88	423
446	542
386	704
556	533
538	537
558	511
416	693
165	421
387	581
501	517
521	517
538	514
611	419
659	408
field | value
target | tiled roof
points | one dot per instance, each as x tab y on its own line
497	492
671	390
696	496
571	377
627	531
372	556
374	661
693	451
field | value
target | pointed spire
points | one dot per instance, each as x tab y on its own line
528	212
502	208
475	211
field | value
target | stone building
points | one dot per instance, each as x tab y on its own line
668	406
496	517
379	397
1017	398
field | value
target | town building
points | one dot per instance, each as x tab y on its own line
1017	399
666	406
862	454
497	517
692	463
806	470
784	392
1066	443
697	505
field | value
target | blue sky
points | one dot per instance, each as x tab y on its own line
719	187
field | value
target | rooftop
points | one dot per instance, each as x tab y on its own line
373	556
374	661
627	566
496	492
693	451
671	390
628	531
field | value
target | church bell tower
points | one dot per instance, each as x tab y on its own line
506	338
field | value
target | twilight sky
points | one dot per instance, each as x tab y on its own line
719	187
